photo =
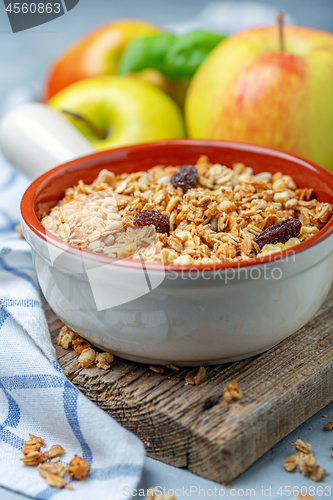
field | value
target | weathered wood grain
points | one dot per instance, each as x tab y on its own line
192	426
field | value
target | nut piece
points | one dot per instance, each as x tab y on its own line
232	391
86	358
80	344
200	375
78	468
50	468
33	458
66	337
329	426
302	446
103	360
55	451
173	367
56	481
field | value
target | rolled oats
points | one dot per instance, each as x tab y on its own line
156	369
221	215
33	458
302	446
55	481
50	468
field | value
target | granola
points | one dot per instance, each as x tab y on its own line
304	461
232	391
78	468
216	221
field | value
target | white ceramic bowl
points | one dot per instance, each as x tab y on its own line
186	316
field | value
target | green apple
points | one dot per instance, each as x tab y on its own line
249	90
116	111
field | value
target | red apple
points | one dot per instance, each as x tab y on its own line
96	54
250	90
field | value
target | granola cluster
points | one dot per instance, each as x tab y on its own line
216	221
49	466
304	461
87	355
232	392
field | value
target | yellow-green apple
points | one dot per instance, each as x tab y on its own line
249	90
114	111
98	54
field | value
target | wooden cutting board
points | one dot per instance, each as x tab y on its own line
192	426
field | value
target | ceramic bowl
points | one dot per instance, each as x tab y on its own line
194	315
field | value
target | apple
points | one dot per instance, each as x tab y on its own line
249	90
114	111
96	54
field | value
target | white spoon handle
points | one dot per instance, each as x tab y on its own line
35	138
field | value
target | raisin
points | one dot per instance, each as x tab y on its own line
280	232
185	178
152	218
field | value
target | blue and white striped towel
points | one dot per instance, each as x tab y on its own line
35	396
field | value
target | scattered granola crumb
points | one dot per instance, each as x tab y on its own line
305	463
30	446
232	391
324	416
200	375
173	367
80	345
18	229
40	440
291	462
55	451
103	360
152	495
302	446
304	496
156	369
318	474
33	458
78	468
56	481
329	426
49	468
66	337
86	358
190	378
